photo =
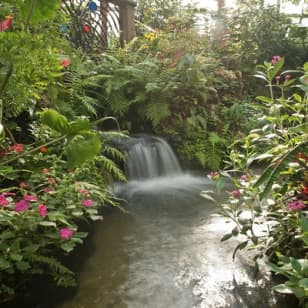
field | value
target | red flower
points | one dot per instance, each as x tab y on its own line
305	189
86	28
65	62
43	149
5	24
17	147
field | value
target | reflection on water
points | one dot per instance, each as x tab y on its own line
166	253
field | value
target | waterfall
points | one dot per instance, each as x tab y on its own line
150	157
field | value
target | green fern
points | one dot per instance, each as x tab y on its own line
61	274
109	166
156	112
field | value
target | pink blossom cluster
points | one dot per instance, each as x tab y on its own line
296	205
276	59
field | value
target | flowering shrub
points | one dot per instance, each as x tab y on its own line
46	190
270	209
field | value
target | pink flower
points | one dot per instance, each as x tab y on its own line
87	202
3	200
235	193
213	175
244	177
66	233
287	77
276	59
30	198
42	210
296	205
65	62
21	206
5	24
277	78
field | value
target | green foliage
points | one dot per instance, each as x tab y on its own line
270	209
34	66
39	10
157	13
254	33
54	167
296	272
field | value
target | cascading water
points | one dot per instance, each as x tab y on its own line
150	157
152	167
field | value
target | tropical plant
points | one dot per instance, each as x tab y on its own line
269	209
47	189
55	169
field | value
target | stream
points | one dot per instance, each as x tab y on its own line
165	250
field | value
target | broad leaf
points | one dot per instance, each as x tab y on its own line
83	147
55	121
78	125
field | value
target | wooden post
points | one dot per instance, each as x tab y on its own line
127	19
104	23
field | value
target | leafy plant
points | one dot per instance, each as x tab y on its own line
269	209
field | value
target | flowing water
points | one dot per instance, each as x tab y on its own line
165	251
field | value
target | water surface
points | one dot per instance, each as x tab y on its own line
165	252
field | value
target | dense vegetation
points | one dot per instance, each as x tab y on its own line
197	89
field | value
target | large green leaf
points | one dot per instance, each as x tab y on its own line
78	125
55	120
39	10
82	147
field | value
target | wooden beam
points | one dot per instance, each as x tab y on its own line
127	20
123	2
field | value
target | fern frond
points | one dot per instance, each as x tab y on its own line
156	112
114	153
112	168
62	275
